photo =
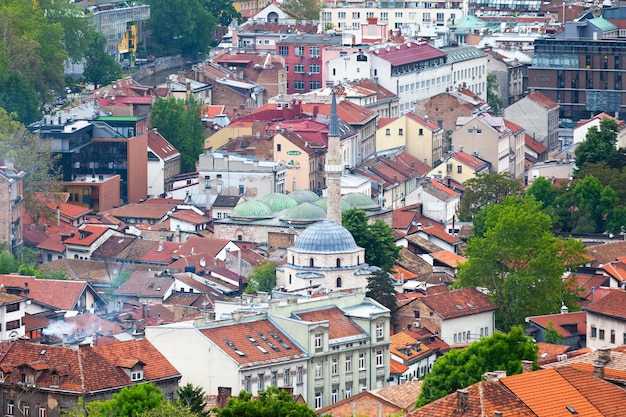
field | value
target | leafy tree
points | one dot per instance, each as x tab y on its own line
100	67
608	176
262	278
180	26
493	97
517	259
380	288
616	221
270	403
485	189
377	239
76	28
599	145
223	11
551	335
131	401
308	9
543	191
179	122
167	409
594	202
193	398
461	368
8	264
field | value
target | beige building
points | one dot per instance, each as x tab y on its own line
305	161
11	207
460	167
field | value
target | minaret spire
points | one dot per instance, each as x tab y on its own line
333	166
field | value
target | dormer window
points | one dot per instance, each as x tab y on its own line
55	380
136	375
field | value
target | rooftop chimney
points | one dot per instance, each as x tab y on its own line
527	366
598	370
223	394
604	355
462	400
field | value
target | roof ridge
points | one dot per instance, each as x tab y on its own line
81	369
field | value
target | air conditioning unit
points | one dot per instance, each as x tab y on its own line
561	357
416	324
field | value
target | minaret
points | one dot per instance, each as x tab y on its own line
333	167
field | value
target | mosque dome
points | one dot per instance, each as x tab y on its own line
323	203
252	210
360	200
325	237
279	201
303	213
304	196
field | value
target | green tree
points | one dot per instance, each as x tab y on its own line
551	335
543	191
517	258
193	398
307	9
100	67
616	221
485	189
77	28
262	278
377	239
380	288
131	401
223	11
461	368
179	122
270	403
599	145
8	264
594	202
167	409
493	97
180	27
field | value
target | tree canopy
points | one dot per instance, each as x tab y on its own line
485	189
262	278
100	67
223	11
179	122
599	145
516	258
493	98
461	368
307	9
270	403
380	288
192	398
377	239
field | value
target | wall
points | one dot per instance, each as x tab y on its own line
607	324
472	323
137	168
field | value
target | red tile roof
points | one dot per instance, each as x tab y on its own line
397	368
384	121
469	160
258	341
611	304
426	123
197	245
142	211
448	258
559	321
145	284
70	210
190	216
160	146
161	253
403	54
515	128
86	235
340	324
459	303
542	100
381	92
401	219
60	294
534	145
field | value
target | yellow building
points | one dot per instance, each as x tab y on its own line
226	134
460	167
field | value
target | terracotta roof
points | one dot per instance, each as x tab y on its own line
253	342
459	303
190	216
403	395
91	324
534	145
550	353
616	366
384	121
408	348
397	368
515	128
424	122
616	269
6	298
469	160
160	146
145	284
226	200
601	117
137	249
560	322
142	211
89	269
381	92
60	294
196	245
69	210
543	100
610	305
438	231
53	243
340	324
401	219
162	253
86	235
35	322
403	54
448	258
360	404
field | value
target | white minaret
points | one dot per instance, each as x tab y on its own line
333	167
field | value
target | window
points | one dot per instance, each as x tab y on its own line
299	375
388	132
334	396
13	324
298	85
613	336
601	334
314	68
384	16
261	385
278	147
479	131
274	380
349	363
13	307
298	51
425	17
283	50
241	190
26	409
334	366
311	263
315	85
361	360
400	132
314	52
136	376
318	341
318	400
398	15
379	358
298	68
318	369
459	169
42	411
338	283
380	330
356	15
348	391
421	132
341	15
247	383
286	378
10	406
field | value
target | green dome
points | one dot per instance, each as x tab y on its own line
359	200
323	203
279	202
252	209
304	213
304	196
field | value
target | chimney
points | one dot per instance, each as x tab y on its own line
462	399
181	77
58	216
598	369
223	394
494	376
604	355
527	366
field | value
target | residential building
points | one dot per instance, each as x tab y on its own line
468	65
86	240
229	88
583	126
456	316
11	198
261	32
417	350
438	202
266	70
460	167
45	380
224	205
489	138
305	161
163	164
517	149
511	74
95	193
539	116
571	327
12	312
551	169
606	321
142	213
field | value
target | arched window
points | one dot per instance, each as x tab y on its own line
338	263
311	263
338	282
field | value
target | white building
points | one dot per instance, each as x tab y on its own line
469	69
606	321
12	310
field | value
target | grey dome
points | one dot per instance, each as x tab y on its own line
323	203
278	201
303	213
304	196
252	209
325	237
360	200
